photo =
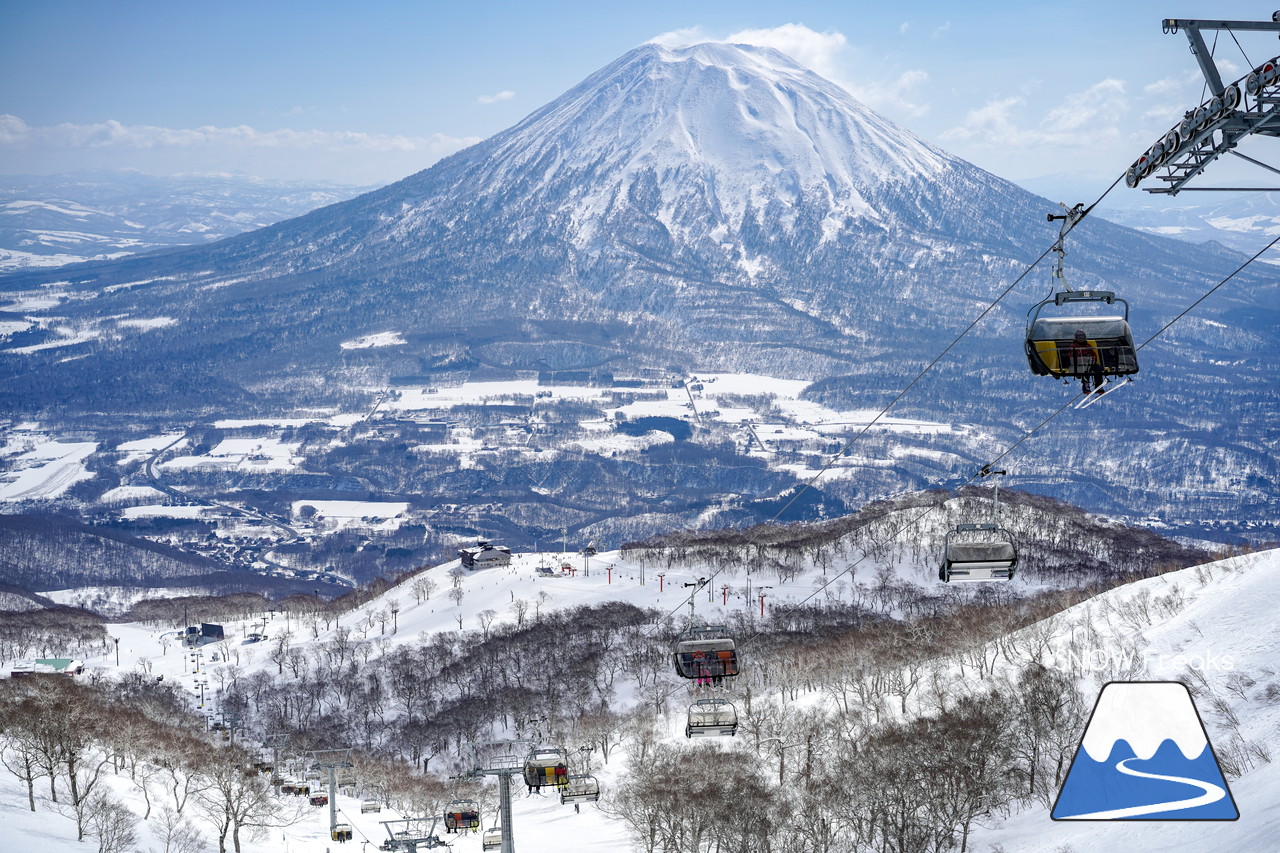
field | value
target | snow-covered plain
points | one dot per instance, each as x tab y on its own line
37	468
1215	621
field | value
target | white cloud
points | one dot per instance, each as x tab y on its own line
827	54
818	51
504	95
1166	86
1084	119
683	38
1100	103
898	97
16	133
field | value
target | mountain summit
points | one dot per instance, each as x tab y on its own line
705	135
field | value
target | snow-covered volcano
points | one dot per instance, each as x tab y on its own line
715	203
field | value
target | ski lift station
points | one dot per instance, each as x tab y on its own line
484	555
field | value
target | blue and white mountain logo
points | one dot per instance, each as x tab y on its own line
1145	756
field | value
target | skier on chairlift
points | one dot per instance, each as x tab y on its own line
1085	361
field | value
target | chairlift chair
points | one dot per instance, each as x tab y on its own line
580	788
711	718
492	838
461	816
370	806
546	766
978	552
706	651
341	832
1051	340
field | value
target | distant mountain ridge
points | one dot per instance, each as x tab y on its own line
701	208
52	220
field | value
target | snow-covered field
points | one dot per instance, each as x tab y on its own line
373	515
1218	620
39	468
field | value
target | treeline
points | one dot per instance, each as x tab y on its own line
63	740
421	701
43	552
52	632
1058	543
813	781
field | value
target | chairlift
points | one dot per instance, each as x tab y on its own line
492	838
320	798
341	832
370	806
711	718
706	652
461	816
1077	340
580	788
1081	346
546	766
978	552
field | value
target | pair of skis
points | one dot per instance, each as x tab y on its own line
1098	393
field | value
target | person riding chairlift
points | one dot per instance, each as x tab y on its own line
1085	361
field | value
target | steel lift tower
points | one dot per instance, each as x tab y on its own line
1247	106
504	759
331	760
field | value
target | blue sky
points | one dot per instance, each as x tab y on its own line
370	92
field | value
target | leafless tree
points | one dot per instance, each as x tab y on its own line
112	823
176	833
236	801
520	608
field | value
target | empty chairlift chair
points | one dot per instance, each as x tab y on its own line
546	766
1054	349
461	816
492	838
706	653
580	789
978	552
711	718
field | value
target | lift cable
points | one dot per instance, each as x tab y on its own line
1209	293
809	483
912	522
1247	61
917	518
849	443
